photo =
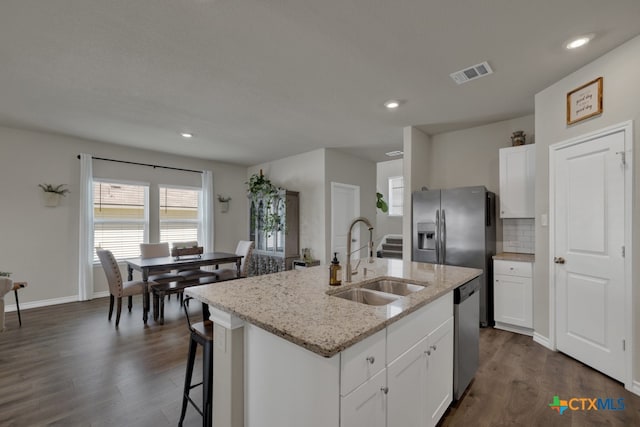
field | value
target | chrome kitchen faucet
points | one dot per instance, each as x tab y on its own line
348	272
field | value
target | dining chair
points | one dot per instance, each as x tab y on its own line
191	273
117	287
157	250
6	285
244	248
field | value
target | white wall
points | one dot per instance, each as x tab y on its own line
311	174
470	157
385	223
417	154
40	244
303	173
347	169
621	93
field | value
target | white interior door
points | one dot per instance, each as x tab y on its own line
588	196
345	206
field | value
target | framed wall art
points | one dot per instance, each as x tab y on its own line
585	101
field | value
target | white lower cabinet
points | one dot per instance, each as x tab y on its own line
407	378
417	386
513	296
366	406
401	376
439	372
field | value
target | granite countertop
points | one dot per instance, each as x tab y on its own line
513	256
295	305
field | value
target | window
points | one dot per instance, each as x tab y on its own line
179	214
396	195
120	218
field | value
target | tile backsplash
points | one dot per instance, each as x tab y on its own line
518	235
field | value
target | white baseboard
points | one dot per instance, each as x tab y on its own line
635	388
513	328
543	341
48	302
42	303
101	294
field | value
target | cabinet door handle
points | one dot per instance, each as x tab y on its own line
427	352
434	348
384	389
371	359
559	260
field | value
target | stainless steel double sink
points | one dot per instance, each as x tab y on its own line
380	292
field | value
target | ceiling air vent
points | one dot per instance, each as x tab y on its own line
471	73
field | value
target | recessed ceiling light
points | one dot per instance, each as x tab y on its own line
186	135
394	153
392	104
579	41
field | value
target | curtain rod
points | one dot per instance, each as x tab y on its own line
143	164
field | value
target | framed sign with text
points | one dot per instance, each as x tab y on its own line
585	101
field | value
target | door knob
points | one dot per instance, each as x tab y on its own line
559	260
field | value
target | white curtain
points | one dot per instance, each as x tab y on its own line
85	244
207	212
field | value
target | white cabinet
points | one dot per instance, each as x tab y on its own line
513	295
439	369
420	381
366	406
399	376
407	379
362	361
517	181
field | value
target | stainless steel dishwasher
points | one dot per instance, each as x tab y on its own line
466	313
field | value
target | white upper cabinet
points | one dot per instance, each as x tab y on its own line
517	181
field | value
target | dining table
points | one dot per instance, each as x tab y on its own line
147	267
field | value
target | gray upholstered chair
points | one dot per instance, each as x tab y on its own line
117	287
157	250
6	285
192	273
244	248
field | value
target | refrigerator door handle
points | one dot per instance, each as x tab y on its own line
443	239
438	236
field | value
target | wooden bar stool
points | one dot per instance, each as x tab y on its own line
201	333
16	286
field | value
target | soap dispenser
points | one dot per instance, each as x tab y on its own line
335	271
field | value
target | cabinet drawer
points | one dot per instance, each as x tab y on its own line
366	406
407	331
362	361
512	268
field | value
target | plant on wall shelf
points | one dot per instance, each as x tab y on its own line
53	193
57	189
5	274
380	203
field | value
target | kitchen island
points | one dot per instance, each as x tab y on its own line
287	352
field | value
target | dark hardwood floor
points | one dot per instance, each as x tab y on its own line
68	366
518	379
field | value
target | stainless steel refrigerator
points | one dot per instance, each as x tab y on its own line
457	227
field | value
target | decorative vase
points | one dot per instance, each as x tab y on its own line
51	199
518	138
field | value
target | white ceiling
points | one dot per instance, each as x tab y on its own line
258	80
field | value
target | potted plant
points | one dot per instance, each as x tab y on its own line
259	186
224	203
380	203
53	193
